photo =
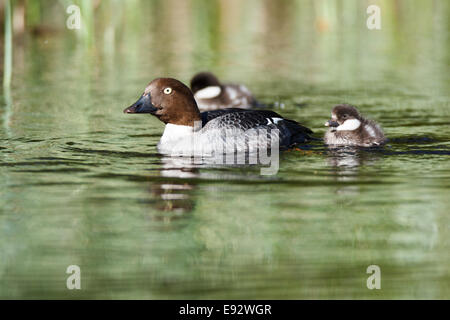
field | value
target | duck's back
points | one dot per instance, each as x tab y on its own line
251	122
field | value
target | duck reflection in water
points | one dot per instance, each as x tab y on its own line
173	187
178	177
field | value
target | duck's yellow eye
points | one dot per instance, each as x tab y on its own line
168	90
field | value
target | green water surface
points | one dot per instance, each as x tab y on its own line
82	184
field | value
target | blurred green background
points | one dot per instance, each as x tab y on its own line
81	183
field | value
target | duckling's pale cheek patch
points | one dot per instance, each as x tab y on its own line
349	125
208	92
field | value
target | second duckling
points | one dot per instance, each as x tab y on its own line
211	94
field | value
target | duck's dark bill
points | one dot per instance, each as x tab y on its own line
331	123
143	105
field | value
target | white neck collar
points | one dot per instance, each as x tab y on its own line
176	132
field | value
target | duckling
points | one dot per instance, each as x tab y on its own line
211	94
349	128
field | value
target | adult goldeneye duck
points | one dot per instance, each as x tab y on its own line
210	94
189	132
349	128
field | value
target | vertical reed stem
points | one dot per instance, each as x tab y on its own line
7	70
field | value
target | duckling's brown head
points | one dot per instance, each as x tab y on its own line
344	117
204	80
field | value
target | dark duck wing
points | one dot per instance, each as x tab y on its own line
209	115
291	132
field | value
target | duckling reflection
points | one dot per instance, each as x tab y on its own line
348	157
347	160
345	163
